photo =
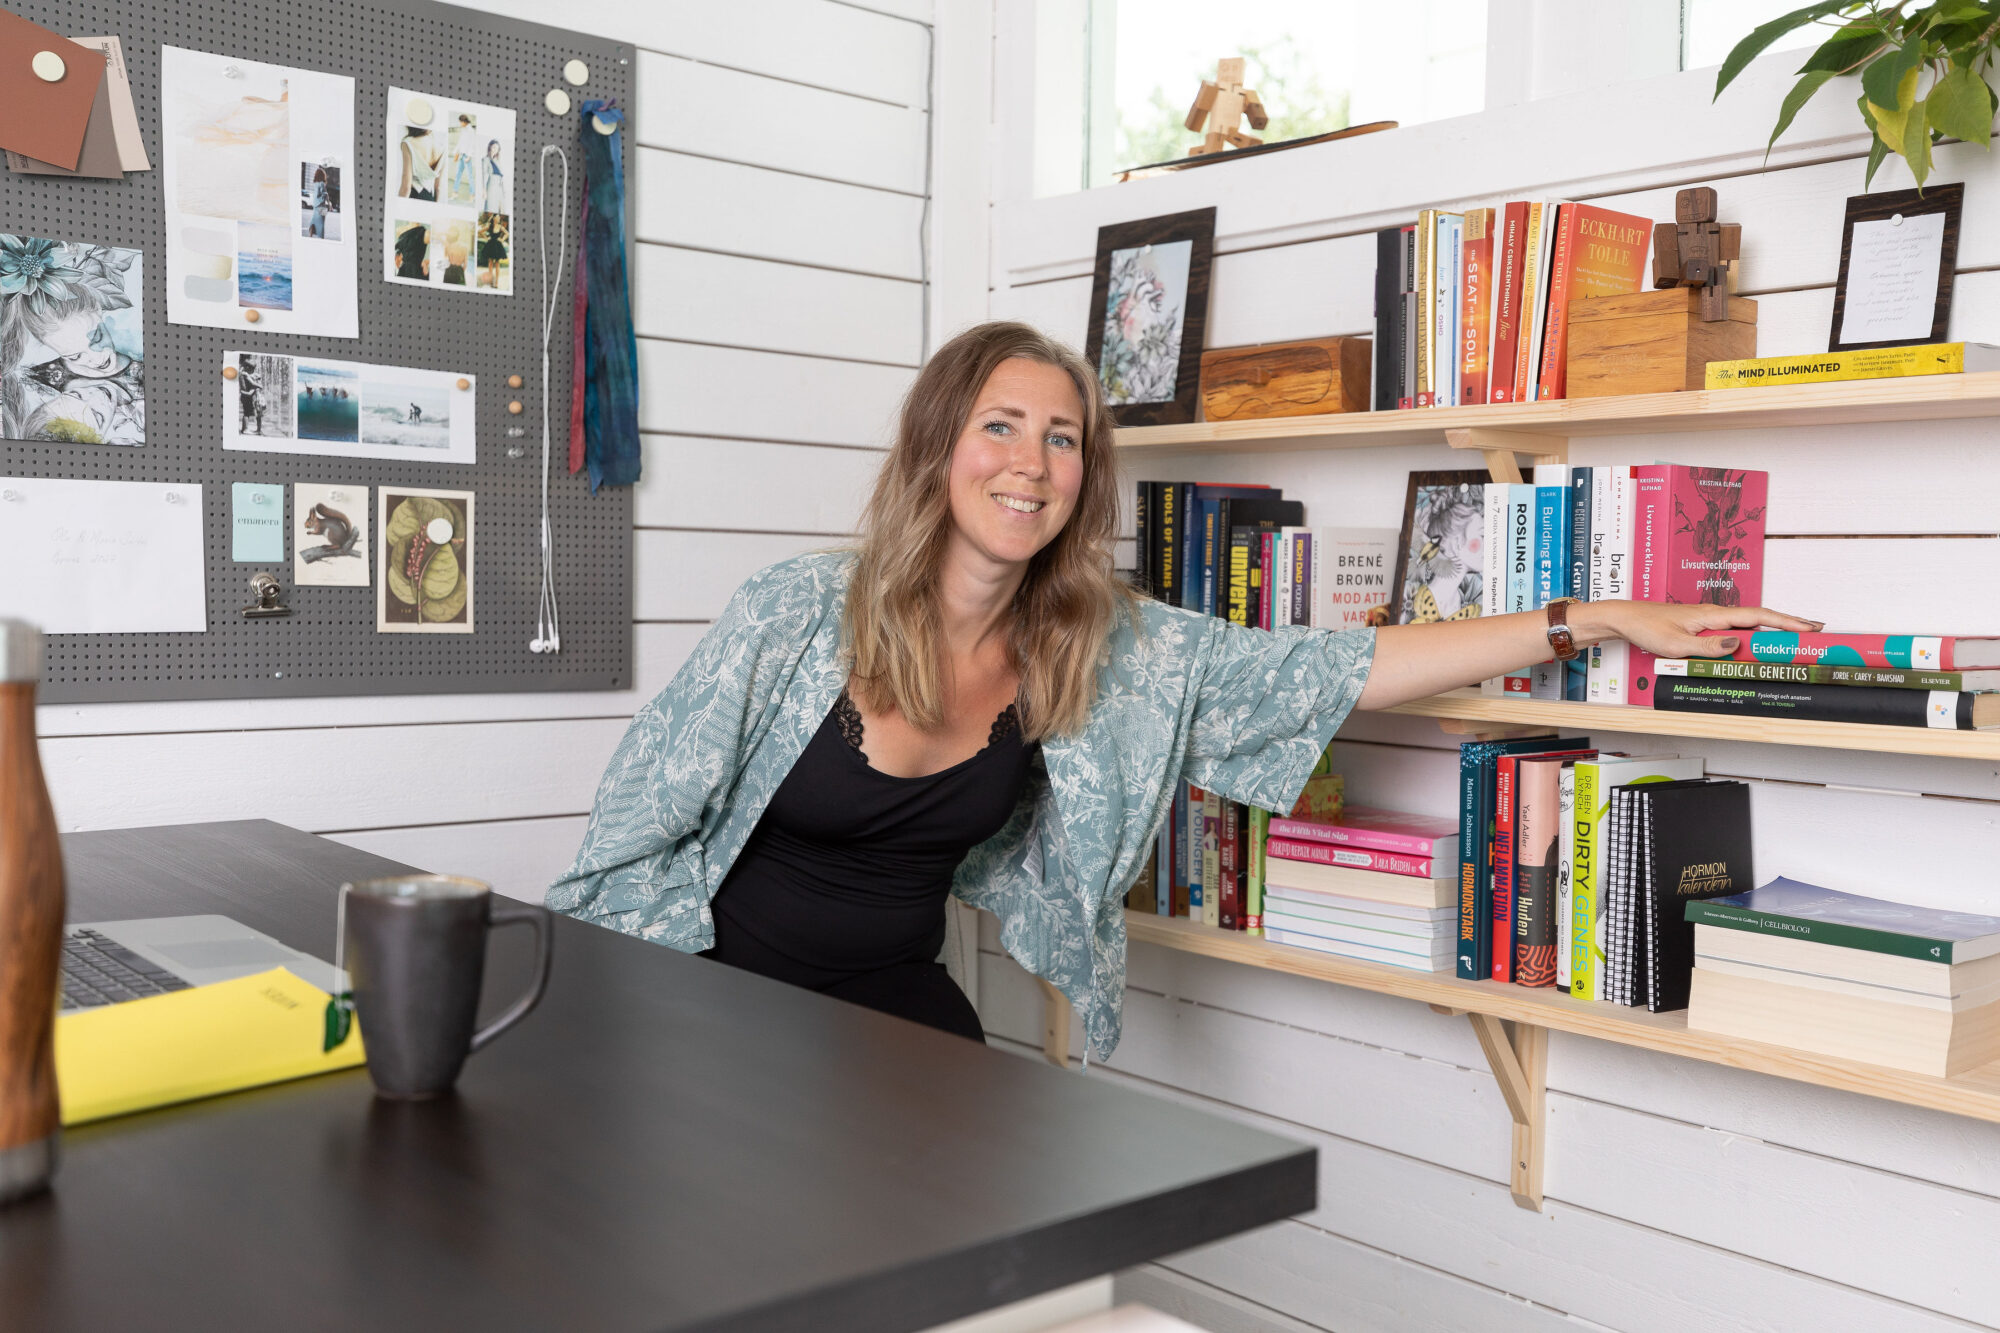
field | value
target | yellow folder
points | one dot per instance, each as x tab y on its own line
194	1043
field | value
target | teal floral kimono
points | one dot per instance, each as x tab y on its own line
1242	712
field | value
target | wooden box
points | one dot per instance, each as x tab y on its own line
1295	379
1652	342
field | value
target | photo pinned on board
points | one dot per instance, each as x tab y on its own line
413	250
463	151
319	201
72	342
457	252
330	536
408	415
496	271
264	390
421	157
424	544
329	402
263	266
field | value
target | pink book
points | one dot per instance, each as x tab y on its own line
1431	836
1698	536
1357	858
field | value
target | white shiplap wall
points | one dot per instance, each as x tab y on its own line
1680	1195
778	182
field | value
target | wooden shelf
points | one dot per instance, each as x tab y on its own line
1471	706
1910	398
1513	1023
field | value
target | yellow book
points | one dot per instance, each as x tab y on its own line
194	1043
1868	363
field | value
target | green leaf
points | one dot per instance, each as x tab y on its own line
1764	34
1846	49
1890	77
1800	94
1961	105
1917	145
1878	153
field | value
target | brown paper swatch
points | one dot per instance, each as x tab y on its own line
40	119
100	158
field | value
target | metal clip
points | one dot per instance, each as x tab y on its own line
267	604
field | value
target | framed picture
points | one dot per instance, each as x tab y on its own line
1898	252
1441	556
423	584
1149	314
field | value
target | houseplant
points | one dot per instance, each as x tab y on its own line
1924	71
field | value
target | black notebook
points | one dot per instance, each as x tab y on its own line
1697	845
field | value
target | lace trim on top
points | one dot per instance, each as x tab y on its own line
848	718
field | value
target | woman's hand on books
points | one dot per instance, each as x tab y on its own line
1676	631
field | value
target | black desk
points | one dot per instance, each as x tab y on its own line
665	1144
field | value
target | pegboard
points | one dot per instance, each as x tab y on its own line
329	645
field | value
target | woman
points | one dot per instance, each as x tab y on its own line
492	248
420	165
413	252
493	181
973	703
316	227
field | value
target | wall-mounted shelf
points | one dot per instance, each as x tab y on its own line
1513	1023
1502	715
1541	428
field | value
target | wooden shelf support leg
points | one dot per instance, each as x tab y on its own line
1500	447
1055	1025
1518	1054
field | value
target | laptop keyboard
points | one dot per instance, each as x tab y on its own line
98	971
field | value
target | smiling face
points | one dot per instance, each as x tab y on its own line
1017	467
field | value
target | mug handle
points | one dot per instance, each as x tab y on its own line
502	912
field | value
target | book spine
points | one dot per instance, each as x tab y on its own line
1533	932
1301	580
1268	573
1943	710
1209	510
1565	873
1501	957
1426	300
1728	668
1901	652
1551	564
1230	915
1239	575
1475	306
1388	306
1195	821
1406	383
1826	367
1339	835
1313	585
1211	859
1493	581
1652	512
1451	268
1163	863
1520	572
1253	880
1583	884
1507	303
1354	858
1555	330
1190	551
1469	845
1536	309
1169	525
1574	678
1839	934
1141	512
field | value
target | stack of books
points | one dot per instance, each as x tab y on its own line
1192	534
1473	307
1912	988
1908	680
1374	885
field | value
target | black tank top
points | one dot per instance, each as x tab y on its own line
848	869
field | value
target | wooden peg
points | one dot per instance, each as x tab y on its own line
229	372
513	381
252	316
464	383
514	408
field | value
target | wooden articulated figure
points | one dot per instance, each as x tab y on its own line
1219	105
1694	250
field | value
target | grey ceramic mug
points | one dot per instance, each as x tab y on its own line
416	950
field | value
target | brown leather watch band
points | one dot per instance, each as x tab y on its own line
1560	637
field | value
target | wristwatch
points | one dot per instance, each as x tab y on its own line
1560	637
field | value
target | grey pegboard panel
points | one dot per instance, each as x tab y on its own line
329	645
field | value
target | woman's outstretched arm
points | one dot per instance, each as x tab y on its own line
1412	661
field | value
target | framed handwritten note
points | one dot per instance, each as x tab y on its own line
102	557
1898	252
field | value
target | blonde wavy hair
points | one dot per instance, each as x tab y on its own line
1070	597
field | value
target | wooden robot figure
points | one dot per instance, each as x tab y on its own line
1219	104
1694	250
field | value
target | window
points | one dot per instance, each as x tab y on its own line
1711	28
1316	65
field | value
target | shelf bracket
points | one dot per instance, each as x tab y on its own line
1518	1054
1055	1025
1501	446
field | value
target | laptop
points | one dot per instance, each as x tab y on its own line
109	962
